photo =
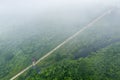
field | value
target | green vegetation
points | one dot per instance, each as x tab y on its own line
100	65
18	53
22	39
93	55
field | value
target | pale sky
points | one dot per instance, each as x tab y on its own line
8	6
29	8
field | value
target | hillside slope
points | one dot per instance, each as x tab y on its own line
26	37
101	65
92	55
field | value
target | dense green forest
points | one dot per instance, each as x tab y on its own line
101	65
92	55
29	30
22	39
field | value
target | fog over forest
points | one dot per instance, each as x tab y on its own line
30	29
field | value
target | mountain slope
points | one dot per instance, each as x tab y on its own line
92	55
26	37
101	65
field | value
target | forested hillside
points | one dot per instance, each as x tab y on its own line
29	29
26	37
92	55
101	65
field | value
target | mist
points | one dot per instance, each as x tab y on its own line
15	13
32	28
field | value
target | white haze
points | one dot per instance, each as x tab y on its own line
14	13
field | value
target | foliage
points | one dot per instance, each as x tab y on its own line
101	65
